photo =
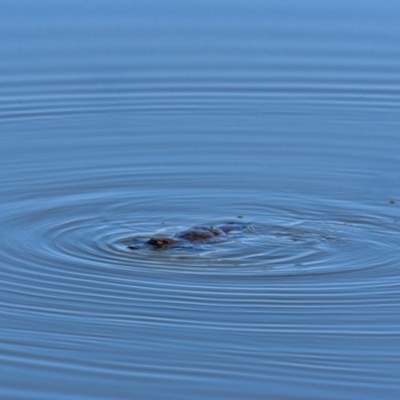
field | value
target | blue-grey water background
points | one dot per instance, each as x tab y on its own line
121	120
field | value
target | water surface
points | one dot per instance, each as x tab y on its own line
124	120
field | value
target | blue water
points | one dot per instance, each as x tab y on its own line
125	120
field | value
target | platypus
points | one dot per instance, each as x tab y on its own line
196	235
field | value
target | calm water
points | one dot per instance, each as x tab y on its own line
123	120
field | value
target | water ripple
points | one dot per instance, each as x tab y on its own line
279	242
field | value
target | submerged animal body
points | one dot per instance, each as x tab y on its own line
196	235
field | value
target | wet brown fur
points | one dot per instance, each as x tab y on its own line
198	234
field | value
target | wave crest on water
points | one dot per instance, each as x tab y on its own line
280	242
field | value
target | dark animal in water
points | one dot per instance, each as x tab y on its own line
196	235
